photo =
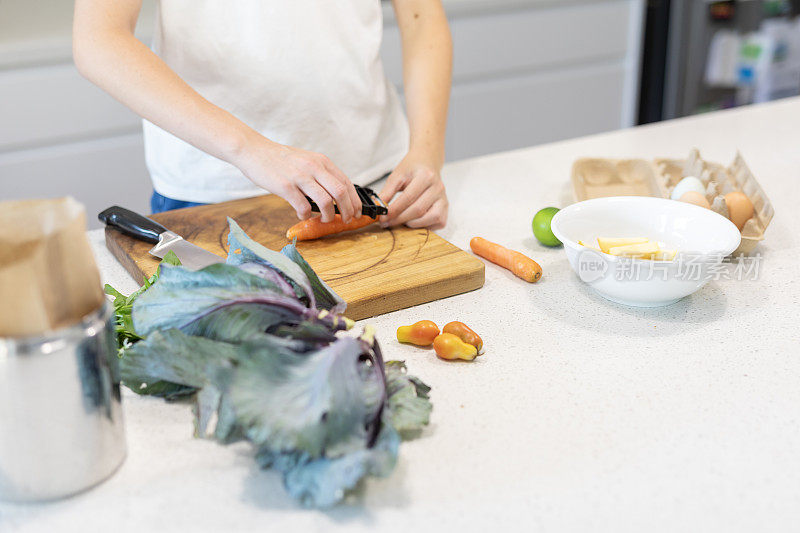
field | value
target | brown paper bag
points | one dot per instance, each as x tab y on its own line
48	276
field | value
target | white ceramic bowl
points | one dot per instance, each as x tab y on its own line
702	237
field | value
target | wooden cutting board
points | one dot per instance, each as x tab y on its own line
375	270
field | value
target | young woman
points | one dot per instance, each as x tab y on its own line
287	96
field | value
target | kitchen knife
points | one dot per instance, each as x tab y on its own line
145	229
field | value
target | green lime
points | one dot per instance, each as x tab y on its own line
541	226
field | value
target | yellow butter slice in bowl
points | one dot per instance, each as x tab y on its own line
665	255
635	249
581	243
606	243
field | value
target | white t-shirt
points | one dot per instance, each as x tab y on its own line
305	73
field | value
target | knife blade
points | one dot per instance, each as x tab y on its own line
145	229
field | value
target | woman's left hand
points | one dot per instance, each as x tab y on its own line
423	202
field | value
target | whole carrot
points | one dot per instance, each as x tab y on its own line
521	265
314	228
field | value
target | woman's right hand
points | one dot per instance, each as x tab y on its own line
293	173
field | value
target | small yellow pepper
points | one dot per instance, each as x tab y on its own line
463	332
421	333
450	347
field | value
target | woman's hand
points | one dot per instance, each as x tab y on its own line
427	66
292	173
423	202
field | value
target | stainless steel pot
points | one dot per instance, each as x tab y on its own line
61	428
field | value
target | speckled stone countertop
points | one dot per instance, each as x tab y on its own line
583	415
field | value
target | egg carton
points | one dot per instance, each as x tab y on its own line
719	181
600	177
594	177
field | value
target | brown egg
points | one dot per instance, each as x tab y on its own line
740	208
696	198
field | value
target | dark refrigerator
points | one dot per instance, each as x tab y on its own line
701	55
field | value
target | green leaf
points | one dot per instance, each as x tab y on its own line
242	250
409	404
311	331
323	482
245	252
206	406
123	306
111	291
170	258
315	403
324	295
182	297
228	430
241	322
175	358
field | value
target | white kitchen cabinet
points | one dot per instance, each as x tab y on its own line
536	72
99	173
525	72
52	104
514	112
59	134
494	43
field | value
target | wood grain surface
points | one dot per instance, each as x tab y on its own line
375	270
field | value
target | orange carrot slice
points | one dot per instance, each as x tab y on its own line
314	228
521	265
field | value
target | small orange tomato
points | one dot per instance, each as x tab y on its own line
420	333
450	347
463	332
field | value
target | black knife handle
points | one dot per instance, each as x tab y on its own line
132	224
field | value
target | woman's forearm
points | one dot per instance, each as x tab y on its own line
427	72
108	54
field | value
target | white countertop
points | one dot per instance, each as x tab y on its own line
583	415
